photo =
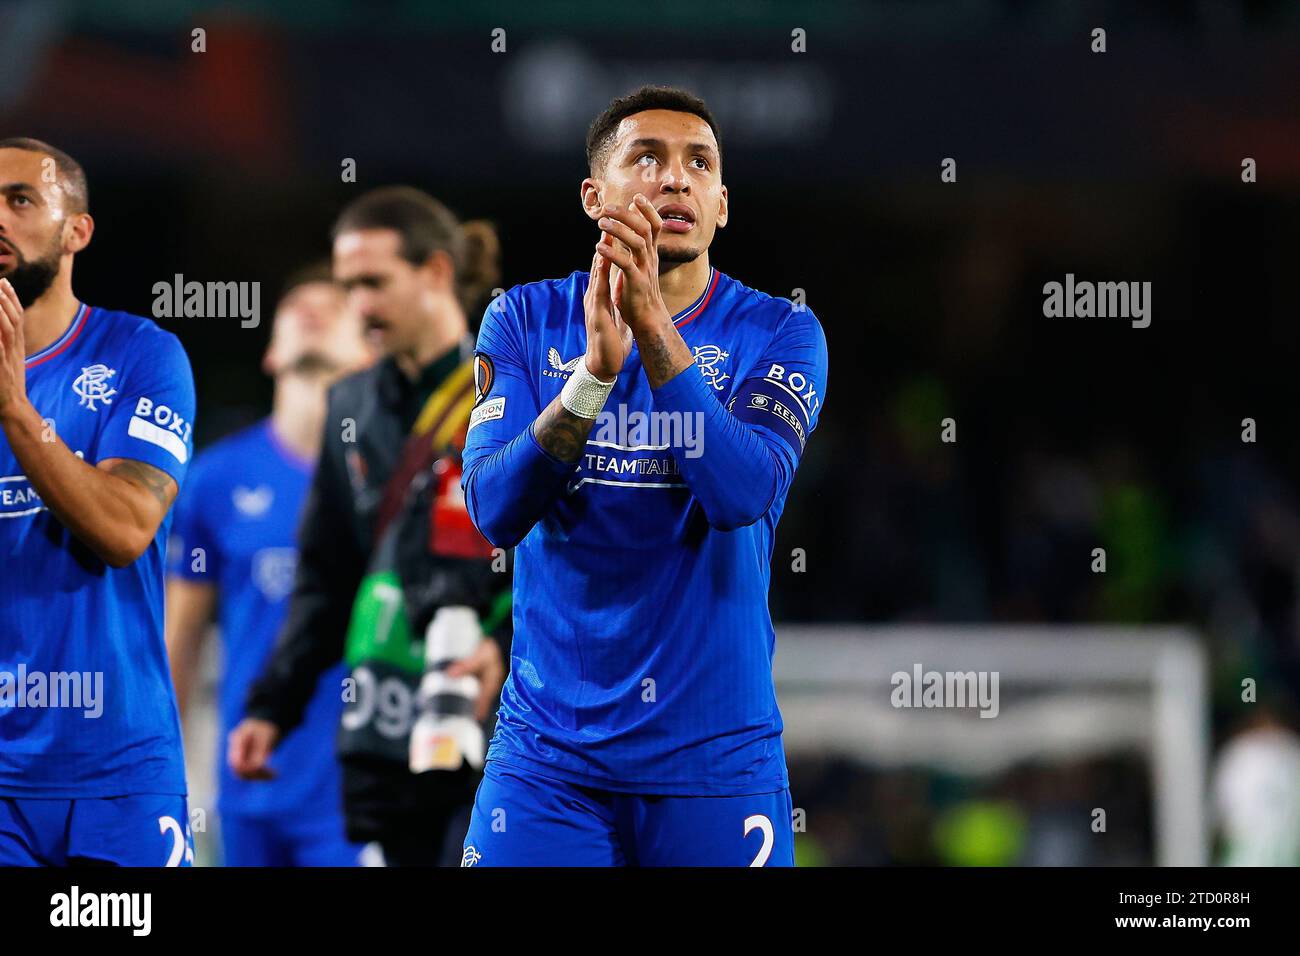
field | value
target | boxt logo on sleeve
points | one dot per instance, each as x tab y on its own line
160	425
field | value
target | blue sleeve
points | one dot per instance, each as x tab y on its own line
192	551
509	480
151	417
752	447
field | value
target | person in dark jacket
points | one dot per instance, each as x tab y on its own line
385	540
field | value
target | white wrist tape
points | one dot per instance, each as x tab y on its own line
584	394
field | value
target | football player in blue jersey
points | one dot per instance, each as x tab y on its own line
234	548
95	419
636	431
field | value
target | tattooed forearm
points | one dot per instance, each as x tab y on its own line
560	432
663	354
156	481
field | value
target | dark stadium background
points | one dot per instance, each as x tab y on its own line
1121	166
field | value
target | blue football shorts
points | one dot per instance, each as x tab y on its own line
521	818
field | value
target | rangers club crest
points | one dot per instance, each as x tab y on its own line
92	386
708	358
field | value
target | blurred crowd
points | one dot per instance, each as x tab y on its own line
975	460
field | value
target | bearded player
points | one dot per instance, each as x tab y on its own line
95	413
636	432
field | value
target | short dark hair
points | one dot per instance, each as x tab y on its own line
425	226
74	177
600	135
319	272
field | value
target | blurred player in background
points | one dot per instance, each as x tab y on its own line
386	542
1256	791
95	413
233	548
639	722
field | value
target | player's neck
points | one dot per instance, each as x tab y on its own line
298	415
442	334
684	283
49	316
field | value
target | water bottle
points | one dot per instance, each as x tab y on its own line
446	732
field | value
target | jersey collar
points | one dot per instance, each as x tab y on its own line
692	311
289	456
63	341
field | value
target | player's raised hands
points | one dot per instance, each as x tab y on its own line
609	340
13	349
636	294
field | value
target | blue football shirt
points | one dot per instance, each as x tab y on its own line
236	528
86	701
643	644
